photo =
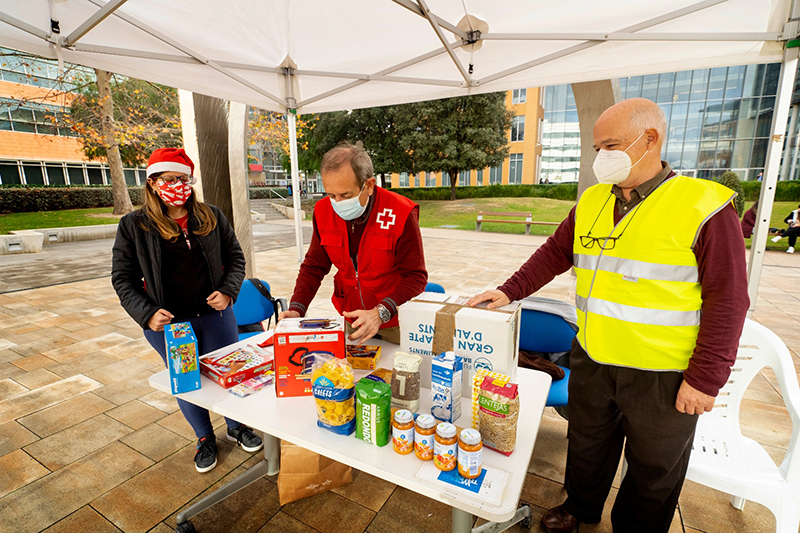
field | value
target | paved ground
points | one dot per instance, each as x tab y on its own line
86	445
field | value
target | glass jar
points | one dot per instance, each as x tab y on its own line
423	437
445	446
470	446
403	432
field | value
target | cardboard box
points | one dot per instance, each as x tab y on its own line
231	367
296	342
363	357
181	344
431	324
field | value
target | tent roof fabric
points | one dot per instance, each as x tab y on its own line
365	53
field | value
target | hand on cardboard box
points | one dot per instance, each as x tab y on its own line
161	318
495	298
288	314
366	324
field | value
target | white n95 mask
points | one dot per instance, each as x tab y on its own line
614	166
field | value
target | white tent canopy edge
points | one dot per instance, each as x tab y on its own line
316	56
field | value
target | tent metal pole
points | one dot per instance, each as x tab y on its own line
93	21
627	36
770	179
411	6
440	34
291	115
582	46
24	26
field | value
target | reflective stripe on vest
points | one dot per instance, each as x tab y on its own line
639	303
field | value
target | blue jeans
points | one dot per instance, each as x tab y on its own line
213	331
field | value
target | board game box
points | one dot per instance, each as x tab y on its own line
181	344
231	367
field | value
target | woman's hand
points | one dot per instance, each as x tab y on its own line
161	318
219	301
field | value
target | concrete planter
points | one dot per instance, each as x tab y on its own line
27	243
73	234
288	211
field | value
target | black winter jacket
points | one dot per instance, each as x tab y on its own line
137	257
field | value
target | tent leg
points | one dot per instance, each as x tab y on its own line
298	224
770	179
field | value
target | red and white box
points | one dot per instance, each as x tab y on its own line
297	341
231	367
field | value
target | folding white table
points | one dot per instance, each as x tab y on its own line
295	420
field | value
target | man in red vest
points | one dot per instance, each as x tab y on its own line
372	237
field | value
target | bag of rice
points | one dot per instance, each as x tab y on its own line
498	412
405	381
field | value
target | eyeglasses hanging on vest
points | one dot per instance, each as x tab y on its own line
607	243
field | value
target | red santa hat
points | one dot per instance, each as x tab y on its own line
169	160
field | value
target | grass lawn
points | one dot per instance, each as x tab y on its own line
462	214
56	219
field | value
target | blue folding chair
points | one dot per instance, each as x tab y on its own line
546	332
252	307
434	287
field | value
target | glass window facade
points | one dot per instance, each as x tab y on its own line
496	175
403	179
519	96
718	119
515	169
518	128
463	178
479	178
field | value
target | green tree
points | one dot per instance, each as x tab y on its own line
731	181
455	134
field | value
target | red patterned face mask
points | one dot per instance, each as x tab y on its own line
174	194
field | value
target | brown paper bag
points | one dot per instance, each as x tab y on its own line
305	473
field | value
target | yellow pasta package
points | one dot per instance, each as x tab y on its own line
334	392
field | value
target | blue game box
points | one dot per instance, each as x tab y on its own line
184	371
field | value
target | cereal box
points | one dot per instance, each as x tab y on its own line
231	367
181	344
297	342
446	370
363	357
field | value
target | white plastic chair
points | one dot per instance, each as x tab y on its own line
723	459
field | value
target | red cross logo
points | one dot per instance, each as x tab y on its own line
386	218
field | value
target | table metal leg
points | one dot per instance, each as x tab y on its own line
268	467
462	521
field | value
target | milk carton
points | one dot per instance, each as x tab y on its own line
446	377
485	338
184	370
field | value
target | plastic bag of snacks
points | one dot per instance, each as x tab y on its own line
333	388
498	414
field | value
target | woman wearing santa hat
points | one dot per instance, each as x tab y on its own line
178	260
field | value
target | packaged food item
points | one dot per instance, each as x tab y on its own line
246	388
470	460
333	389
405	381
229	368
477	380
498	414
424	436
403	432
363	357
298	341
384	375
181	344
446	370
373	411
445	445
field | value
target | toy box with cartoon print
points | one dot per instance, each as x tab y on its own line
229	368
184	370
297	341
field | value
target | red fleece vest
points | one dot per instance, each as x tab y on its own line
377	273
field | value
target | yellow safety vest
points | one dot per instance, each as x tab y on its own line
639	302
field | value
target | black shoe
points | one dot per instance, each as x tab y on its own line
206	457
244	437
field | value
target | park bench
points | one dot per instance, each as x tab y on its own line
506	220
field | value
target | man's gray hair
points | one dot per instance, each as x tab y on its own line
352	154
648	117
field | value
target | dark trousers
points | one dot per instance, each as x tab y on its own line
213	331
609	406
792	233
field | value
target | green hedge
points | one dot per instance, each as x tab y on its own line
785	191
562	191
25	199
262	193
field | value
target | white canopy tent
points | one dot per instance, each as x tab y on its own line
316	55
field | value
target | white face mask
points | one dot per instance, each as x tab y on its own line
349	209
614	166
